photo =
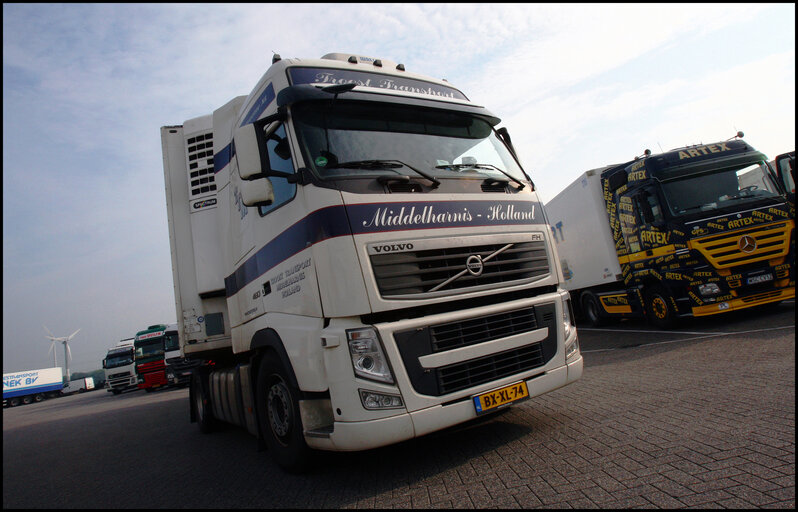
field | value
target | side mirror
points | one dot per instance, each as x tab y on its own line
257	192
104	363
248	151
504	135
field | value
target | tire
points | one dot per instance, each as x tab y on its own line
279	418
149	390
27	399
116	391
13	402
659	307
38	397
591	309
201	404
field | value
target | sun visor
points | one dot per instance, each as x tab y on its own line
306	92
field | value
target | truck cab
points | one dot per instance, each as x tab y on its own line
178	368
701	230
149	357
359	258
120	368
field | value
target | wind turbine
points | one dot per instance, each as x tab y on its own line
67	352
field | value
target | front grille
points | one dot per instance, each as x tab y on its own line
431	270
472	373
180	364
439	338
723	251
461	334
119	375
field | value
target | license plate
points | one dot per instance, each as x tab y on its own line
500	397
760	279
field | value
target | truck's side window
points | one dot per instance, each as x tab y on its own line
648	208
279	160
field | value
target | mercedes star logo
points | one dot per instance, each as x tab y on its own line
747	244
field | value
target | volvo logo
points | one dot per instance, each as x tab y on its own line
474	265
747	244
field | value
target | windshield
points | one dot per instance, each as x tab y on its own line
172	342
718	189
368	139
149	348
116	359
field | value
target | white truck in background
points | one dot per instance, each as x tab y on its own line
359	259
120	367
32	386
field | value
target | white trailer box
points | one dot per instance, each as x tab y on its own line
581	228
32	385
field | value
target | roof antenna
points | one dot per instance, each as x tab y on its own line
275	57
739	135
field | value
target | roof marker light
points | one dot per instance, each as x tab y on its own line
353	59
378	63
400	67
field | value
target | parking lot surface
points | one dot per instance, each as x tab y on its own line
699	417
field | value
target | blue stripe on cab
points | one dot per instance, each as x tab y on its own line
318	226
335	221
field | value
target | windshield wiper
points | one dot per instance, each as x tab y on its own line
383	164
482	166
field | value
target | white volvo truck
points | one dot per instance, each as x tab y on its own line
359	259
120	367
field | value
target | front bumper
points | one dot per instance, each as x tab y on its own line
364	435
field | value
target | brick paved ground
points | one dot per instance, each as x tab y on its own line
702	424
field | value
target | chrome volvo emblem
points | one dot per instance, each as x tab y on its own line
747	244
474	265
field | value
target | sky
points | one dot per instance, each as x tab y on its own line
86	88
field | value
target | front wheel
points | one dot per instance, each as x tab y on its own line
659	307
202	404
278	416
592	309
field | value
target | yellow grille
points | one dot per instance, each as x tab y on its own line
723	251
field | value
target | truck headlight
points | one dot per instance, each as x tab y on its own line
569	329
368	359
709	289
567	318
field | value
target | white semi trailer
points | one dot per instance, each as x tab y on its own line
32	386
359	258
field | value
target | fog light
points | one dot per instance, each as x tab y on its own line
572	349
372	400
